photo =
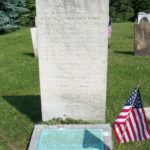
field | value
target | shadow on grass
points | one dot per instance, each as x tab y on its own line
28	105
125	52
130	37
29	54
91	141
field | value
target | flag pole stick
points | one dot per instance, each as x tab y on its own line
128	116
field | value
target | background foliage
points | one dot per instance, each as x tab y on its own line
127	10
18	13
15	14
11	12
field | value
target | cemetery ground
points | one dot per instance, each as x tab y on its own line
19	85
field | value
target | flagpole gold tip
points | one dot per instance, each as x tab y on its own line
139	83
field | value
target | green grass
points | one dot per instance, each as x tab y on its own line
19	90
124	72
19	85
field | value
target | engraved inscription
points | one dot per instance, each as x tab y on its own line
73	44
80	50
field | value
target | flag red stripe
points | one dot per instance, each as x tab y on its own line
122	135
131	124
136	123
142	125
139	123
133	131
116	134
134	126
125	110
128	134
122	117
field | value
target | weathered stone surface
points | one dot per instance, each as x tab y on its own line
147	112
142	37
34	40
72	48
73	137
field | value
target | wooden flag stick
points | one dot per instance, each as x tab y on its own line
128	116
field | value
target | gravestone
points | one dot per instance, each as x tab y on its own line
71	137
34	40
142	15
72	49
142	37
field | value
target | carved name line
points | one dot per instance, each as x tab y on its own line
72	46
74	54
60	18
71	17
78	100
75	33
71	77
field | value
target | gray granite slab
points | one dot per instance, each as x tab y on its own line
107	135
142	37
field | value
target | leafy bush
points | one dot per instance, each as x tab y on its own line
11	14
127	10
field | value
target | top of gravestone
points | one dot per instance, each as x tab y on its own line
72	7
141	13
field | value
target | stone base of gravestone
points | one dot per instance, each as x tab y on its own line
34	40
68	137
142	37
147	112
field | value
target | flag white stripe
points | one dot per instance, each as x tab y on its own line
118	132
139	123
130	131
120	120
123	113
145	129
124	133
127	107
134	126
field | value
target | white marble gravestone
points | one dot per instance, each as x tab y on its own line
142	15
72	49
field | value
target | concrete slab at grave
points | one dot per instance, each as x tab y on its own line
71	137
72	50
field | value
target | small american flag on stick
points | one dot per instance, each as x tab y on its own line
131	123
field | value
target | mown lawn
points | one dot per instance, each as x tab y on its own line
124	72
19	85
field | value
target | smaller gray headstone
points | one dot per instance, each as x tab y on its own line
34	40
142	37
67	137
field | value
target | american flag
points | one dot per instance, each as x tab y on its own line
131	123
109	29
